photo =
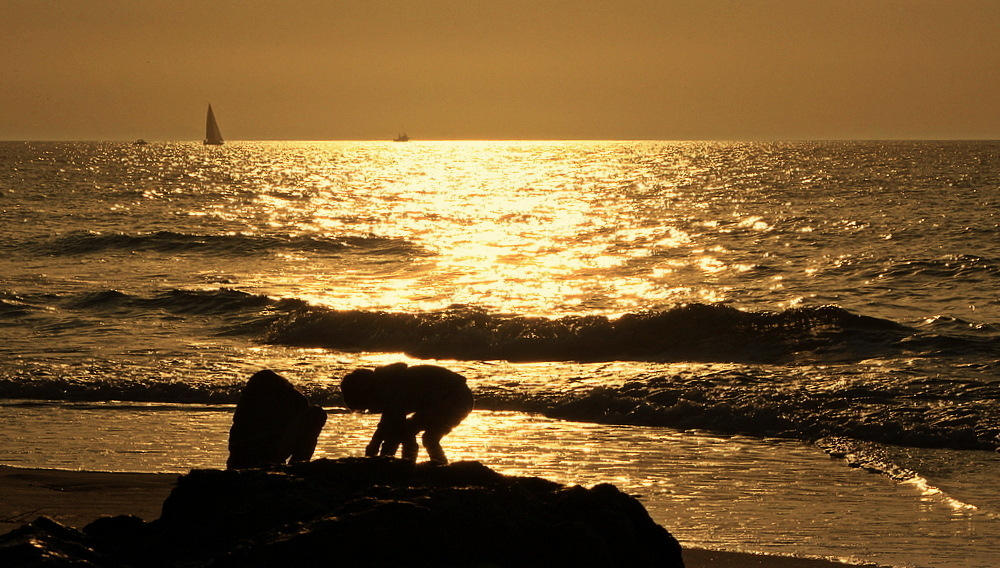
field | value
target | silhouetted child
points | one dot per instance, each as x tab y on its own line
435	399
274	423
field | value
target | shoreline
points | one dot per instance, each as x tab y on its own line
76	498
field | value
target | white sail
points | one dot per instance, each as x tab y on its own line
212	133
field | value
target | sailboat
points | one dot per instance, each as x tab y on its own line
213	136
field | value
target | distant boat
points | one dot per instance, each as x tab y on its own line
140	142
213	136
401	138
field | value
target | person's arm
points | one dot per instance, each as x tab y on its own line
371	450
389	432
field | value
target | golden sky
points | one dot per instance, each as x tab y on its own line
502	69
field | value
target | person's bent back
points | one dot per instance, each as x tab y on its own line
422	398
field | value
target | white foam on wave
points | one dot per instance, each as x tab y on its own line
935	494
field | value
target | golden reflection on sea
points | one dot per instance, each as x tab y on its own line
531	228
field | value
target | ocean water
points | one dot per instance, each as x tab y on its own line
779	347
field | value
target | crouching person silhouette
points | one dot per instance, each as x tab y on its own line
273	424
422	398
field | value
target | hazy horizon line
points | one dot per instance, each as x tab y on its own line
418	140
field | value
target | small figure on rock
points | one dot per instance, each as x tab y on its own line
435	399
273	424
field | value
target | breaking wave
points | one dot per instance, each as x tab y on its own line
694	332
687	333
891	461
912	413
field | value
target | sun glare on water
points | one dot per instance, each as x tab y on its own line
507	226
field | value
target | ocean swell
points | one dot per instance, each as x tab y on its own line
167	242
694	332
686	333
221	302
949	268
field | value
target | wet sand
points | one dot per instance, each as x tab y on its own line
76	498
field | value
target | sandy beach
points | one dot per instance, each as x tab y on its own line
76	498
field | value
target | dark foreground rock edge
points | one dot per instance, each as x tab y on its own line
362	512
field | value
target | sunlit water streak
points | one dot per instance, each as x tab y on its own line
537	228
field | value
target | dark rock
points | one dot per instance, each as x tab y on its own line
363	512
273	423
116	537
44	543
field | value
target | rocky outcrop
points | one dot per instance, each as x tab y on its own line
362	512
